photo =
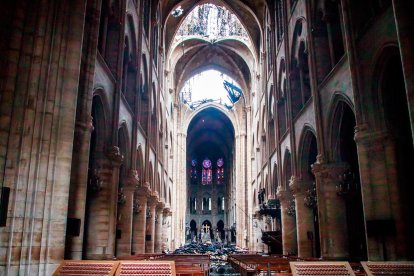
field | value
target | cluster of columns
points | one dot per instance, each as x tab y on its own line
332	217
141	220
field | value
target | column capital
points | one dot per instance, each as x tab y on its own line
295	185
281	194
132	180
167	211
299	186
330	171
371	138
160	206
142	193
114	155
152	201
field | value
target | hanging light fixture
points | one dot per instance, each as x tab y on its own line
347	183
136	208
149	215
121	197
311	199
291	209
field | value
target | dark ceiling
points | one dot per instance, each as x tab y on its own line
210	134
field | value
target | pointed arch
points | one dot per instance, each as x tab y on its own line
140	163
124	144
151	176
275	180
287	169
307	151
99	119
340	105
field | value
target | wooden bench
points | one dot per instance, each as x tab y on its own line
185	264
388	268
96	268
321	268
159	268
254	264
190	265
141	257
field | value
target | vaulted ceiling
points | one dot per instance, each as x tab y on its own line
210	134
236	58
250	13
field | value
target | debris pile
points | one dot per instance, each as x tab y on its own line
218	255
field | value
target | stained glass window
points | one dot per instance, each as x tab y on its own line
193	171
206	172
220	171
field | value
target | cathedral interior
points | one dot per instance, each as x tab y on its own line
137	126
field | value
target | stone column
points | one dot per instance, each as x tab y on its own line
304	217
140	221
79	186
152	204
288	224
332	210
405	30
125	214
38	101
255	222
240	190
379	184
158	227
101	224
166	229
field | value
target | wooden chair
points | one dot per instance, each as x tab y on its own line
388	268
148	268
321	268
96	268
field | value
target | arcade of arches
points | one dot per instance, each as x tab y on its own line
101	157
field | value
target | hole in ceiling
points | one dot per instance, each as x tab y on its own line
210	86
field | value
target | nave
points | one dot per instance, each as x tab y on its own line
130	128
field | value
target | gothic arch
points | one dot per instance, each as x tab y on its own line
99	117
254	198
300	34
158	185
164	185
339	104
124	144
151	176
308	136
375	99
287	170
172	24
229	114
140	163
267	186
144	104
275	182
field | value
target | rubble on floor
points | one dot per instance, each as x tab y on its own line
218	255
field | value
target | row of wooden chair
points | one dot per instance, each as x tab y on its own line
247	264
117	268
149	264
185	264
254	264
